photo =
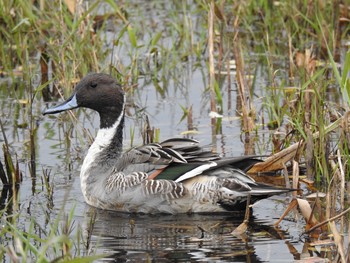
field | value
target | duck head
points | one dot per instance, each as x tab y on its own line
99	92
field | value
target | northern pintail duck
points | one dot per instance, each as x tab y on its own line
175	176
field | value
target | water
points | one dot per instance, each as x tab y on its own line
144	238
179	238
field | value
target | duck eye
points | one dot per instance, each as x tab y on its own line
93	85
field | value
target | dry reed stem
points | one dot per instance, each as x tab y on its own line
295	177
290	207
44	70
242	228
211	17
327	221
190	126
338	176
229	99
338	239
348	250
291	60
306	62
333	187
286	177
342	188
248	124
328	204
309	153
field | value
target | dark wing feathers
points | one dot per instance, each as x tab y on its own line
243	163
173	172
176	157
189	149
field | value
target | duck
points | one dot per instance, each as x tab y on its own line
175	176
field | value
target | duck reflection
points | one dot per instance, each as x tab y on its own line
173	238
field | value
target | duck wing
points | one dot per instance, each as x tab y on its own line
177	159
147	158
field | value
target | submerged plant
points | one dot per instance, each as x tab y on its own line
13	175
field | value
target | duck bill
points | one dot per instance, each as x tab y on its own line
69	104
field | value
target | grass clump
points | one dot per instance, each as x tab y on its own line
62	242
63	40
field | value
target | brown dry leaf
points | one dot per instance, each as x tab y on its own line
276	161
325	242
218	12
306	211
241	229
309	183
345	124
344	15
310	62
299	59
306	60
71	4
316	195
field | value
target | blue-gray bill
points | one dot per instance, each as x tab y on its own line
69	104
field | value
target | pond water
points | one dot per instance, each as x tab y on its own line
61	146
61	143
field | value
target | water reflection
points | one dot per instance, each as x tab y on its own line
178	238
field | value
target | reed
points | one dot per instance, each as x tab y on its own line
57	245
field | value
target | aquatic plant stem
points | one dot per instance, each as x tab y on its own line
327	221
248	124
342	188
211	64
